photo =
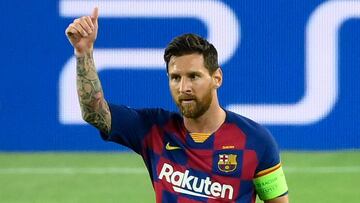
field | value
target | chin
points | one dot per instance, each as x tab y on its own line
192	113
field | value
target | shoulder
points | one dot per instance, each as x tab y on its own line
259	139
161	116
251	128
148	115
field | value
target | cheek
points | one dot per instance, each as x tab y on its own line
173	90
204	87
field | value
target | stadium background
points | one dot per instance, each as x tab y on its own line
266	66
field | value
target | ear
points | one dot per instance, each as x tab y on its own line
217	78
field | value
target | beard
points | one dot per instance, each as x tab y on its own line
195	108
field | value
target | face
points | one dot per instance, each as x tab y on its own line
191	85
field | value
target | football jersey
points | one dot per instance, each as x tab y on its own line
186	167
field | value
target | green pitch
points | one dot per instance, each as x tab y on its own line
120	177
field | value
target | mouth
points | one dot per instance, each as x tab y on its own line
186	100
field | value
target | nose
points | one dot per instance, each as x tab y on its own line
185	86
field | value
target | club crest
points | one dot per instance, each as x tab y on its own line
227	162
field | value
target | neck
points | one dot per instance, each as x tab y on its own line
209	122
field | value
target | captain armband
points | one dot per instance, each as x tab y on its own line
271	184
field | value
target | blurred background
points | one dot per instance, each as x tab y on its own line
290	65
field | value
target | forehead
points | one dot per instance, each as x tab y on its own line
187	63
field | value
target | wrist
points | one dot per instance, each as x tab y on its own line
82	52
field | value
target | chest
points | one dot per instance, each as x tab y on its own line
221	155
222	159
204	170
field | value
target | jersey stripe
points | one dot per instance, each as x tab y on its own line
267	171
200	137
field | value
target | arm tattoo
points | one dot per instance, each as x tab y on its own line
94	108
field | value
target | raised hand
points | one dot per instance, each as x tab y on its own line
82	32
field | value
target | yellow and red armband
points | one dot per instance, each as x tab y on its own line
270	183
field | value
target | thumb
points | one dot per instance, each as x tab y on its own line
95	15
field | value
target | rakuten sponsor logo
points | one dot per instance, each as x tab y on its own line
184	183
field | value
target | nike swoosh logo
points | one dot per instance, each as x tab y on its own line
169	147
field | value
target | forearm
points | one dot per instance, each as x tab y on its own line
93	106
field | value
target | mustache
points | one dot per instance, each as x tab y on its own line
186	97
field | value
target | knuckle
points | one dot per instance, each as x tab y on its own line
72	25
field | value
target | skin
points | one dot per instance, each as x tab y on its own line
282	199
192	87
189	79
82	34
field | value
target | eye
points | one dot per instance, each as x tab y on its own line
175	78
194	76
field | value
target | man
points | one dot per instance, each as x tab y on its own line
204	154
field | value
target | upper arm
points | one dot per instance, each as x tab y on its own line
130	126
269	181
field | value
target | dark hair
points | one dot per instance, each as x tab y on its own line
189	44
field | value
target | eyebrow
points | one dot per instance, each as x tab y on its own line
189	73
173	74
195	73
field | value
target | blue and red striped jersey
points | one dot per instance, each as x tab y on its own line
220	168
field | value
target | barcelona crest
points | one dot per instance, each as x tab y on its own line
227	162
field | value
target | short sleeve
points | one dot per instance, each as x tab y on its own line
270	155
270	180
129	126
